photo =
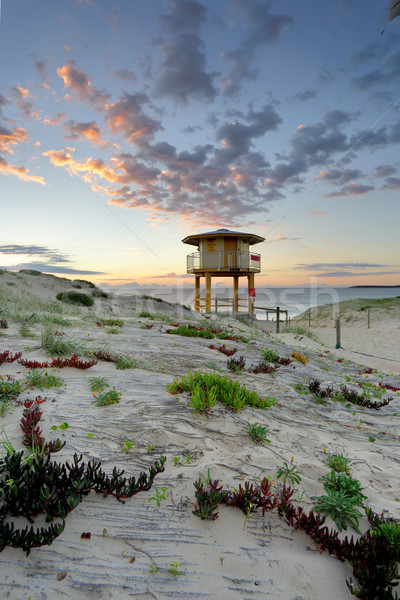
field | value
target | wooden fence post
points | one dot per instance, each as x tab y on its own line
368	317
278	316
337	323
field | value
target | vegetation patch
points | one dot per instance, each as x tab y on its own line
374	557
54	490
75	298
209	388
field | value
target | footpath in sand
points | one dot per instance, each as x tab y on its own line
232	557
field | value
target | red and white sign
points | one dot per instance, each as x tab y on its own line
252	292
255	257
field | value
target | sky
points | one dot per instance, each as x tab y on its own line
127	125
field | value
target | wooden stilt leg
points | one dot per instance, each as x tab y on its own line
208	292
197	293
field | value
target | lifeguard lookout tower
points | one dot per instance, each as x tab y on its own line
223	253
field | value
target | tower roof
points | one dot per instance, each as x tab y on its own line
194	240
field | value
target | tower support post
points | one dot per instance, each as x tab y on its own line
197	293
250	285
236	293
208	292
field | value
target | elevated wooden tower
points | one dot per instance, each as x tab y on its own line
223	253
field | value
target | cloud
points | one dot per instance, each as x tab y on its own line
236	138
355	273
354	189
184	75
50	268
306	95
124	74
20	96
51	259
241	70
171	275
91	131
127	117
283	238
338	265
370	139
184	15
384	171
88	168
263	28
41	67
52	256
317	143
10	138
57	120
388	73
339	176
78	81
392	183
115	21
317	212
20	172
326	76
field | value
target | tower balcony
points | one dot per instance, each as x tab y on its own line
223	262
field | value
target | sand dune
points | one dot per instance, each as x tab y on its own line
232	557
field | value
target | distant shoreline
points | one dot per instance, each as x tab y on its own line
373	286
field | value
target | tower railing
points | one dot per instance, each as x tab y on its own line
247	262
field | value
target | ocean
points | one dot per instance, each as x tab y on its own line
293	299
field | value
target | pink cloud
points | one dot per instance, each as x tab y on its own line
9	138
78	81
20	172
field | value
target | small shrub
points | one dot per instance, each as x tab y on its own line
107	397
284	361
343	495
3	324
289	472
191	331
264	367
88	283
110	322
7	357
6	405
75	298
257	432
24	331
10	388
223	349
340	508
99	294
124	363
299	357
236	364
58	345
40	379
270	355
98	383
338	463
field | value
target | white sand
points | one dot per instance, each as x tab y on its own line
228	558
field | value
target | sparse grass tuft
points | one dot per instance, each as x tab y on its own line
59	346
